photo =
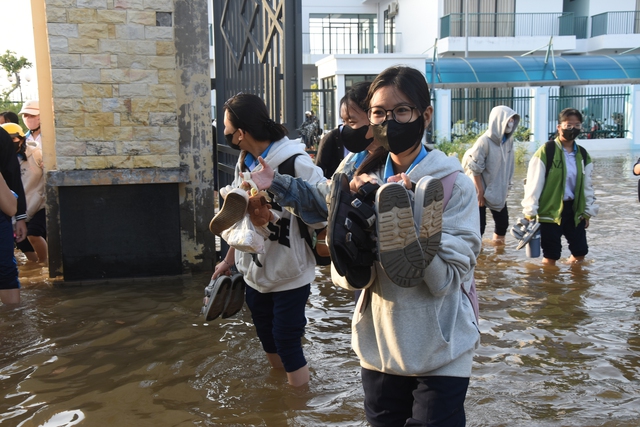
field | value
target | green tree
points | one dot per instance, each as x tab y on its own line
13	65
315	99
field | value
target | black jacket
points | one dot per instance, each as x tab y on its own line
10	169
330	152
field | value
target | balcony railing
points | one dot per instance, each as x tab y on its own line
508	24
344	41
615	23
580	27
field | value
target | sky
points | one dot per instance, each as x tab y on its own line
16	34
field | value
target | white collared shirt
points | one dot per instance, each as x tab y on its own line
572	172
37	140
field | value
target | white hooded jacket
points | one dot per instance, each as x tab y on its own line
288	262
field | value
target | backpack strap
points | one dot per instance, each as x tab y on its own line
550	149
288	168
583	152
447	187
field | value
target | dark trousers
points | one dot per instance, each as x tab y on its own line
551	235
8	266
280	320
501	219
396	401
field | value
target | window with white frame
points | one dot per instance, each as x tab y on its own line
389	32
342	33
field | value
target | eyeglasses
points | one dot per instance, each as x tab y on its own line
571	127
401	114
228	104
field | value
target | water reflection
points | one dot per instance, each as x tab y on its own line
560	346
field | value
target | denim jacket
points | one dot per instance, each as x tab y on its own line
306	200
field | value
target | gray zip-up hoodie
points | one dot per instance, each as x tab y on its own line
429	329
494	159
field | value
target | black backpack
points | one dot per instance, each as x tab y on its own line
288	168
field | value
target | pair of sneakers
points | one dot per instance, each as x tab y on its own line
408	237
379	222
224	296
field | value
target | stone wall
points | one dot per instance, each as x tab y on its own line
130	91
113	71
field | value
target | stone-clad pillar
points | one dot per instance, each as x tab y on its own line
130	93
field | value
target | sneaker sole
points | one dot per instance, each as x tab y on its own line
429	196
218	292
233	210
236	296
399	250
528	236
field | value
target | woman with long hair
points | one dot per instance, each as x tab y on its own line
414	328
278	281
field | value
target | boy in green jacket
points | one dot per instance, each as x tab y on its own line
559	192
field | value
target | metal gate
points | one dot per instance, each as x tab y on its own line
258	50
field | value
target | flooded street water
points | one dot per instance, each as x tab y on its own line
560	346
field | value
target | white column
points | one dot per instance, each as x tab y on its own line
339	93
539	117
442	124
633	118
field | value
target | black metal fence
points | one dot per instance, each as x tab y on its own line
470	108
257	50
604	109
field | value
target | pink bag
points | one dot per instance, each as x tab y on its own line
447	186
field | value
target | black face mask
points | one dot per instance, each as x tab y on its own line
21	147
354	139
398	137
229	139
570	134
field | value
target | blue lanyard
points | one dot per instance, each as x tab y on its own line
251	162
358	158
388	167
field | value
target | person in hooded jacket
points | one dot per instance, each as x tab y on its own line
416	344
278	285
490	162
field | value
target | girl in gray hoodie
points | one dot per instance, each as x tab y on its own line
416	344
490	163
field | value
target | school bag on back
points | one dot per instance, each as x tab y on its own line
316	241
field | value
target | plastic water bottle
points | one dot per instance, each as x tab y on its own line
533	247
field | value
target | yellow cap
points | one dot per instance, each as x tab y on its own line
13	129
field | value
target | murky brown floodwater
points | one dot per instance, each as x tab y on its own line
559	347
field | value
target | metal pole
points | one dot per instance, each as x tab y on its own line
466	28
466	54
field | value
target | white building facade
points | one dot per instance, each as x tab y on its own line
345	41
